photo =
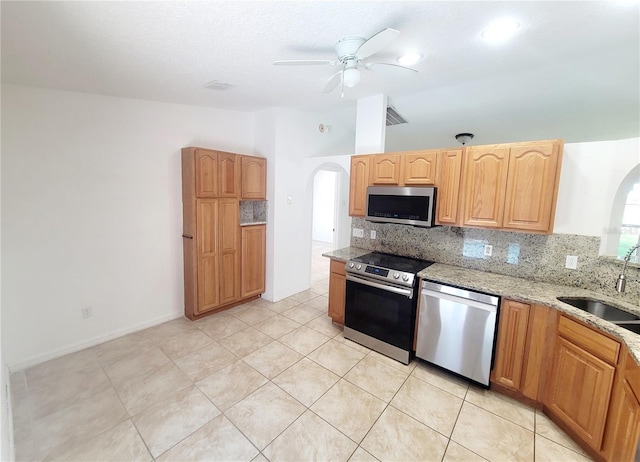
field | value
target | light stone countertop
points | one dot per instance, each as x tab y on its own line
522	290
251	223
346	254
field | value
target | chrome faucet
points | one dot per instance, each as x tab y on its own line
622	279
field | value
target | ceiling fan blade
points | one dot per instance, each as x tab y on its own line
302	62
377	43
386	67
333	82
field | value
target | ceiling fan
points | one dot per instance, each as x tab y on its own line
351	52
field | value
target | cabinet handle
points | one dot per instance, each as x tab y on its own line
188	237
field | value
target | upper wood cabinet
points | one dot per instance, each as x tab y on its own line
581	380
484	183
512	186
254	177
206	171
449	169
532	187
419	167
228	174
358	182
385	169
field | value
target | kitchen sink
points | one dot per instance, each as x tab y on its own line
605	311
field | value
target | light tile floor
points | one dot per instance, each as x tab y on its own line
266	381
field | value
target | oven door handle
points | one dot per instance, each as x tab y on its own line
396	290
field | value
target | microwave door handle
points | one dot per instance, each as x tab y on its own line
396	290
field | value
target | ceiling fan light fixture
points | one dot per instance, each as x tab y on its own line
351	77
500	30
409	59
464	138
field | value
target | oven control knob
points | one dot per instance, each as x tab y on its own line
359	266
405	277
396	275
351	265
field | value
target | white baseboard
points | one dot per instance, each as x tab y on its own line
34	360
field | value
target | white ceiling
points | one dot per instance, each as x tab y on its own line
572	72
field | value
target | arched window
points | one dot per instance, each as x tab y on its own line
630	227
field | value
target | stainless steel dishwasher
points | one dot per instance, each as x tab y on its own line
456	330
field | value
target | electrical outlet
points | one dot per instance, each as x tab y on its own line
358	232
86	312
373	234
488	250
571	262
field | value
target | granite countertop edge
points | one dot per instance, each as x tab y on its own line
251	223
522	290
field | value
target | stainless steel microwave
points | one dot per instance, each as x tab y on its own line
404	205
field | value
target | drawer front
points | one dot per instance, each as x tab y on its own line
595	343
337	267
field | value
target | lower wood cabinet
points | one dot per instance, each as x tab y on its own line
581	380
337	291
253	259
510	346
623	422
522	348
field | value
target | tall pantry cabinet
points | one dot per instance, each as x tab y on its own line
211	185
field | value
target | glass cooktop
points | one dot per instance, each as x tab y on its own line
393	262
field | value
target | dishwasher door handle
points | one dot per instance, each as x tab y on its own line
460	300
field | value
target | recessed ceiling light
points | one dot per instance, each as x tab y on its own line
500	30
409	58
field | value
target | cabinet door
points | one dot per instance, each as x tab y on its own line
541	332
207	251
419	167
358	182
254	178
579	390
228	174
337	291
532	187
206	173
623	427
253	259
510	347
484	183
448	184
229	251
385	169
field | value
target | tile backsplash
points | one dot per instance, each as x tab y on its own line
253	211
531	256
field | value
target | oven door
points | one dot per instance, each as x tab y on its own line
381	311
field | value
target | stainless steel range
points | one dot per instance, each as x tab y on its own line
381	301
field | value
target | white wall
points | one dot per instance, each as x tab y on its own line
340	165
291	142
265	143
92	215
324	209
590	176
6	446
